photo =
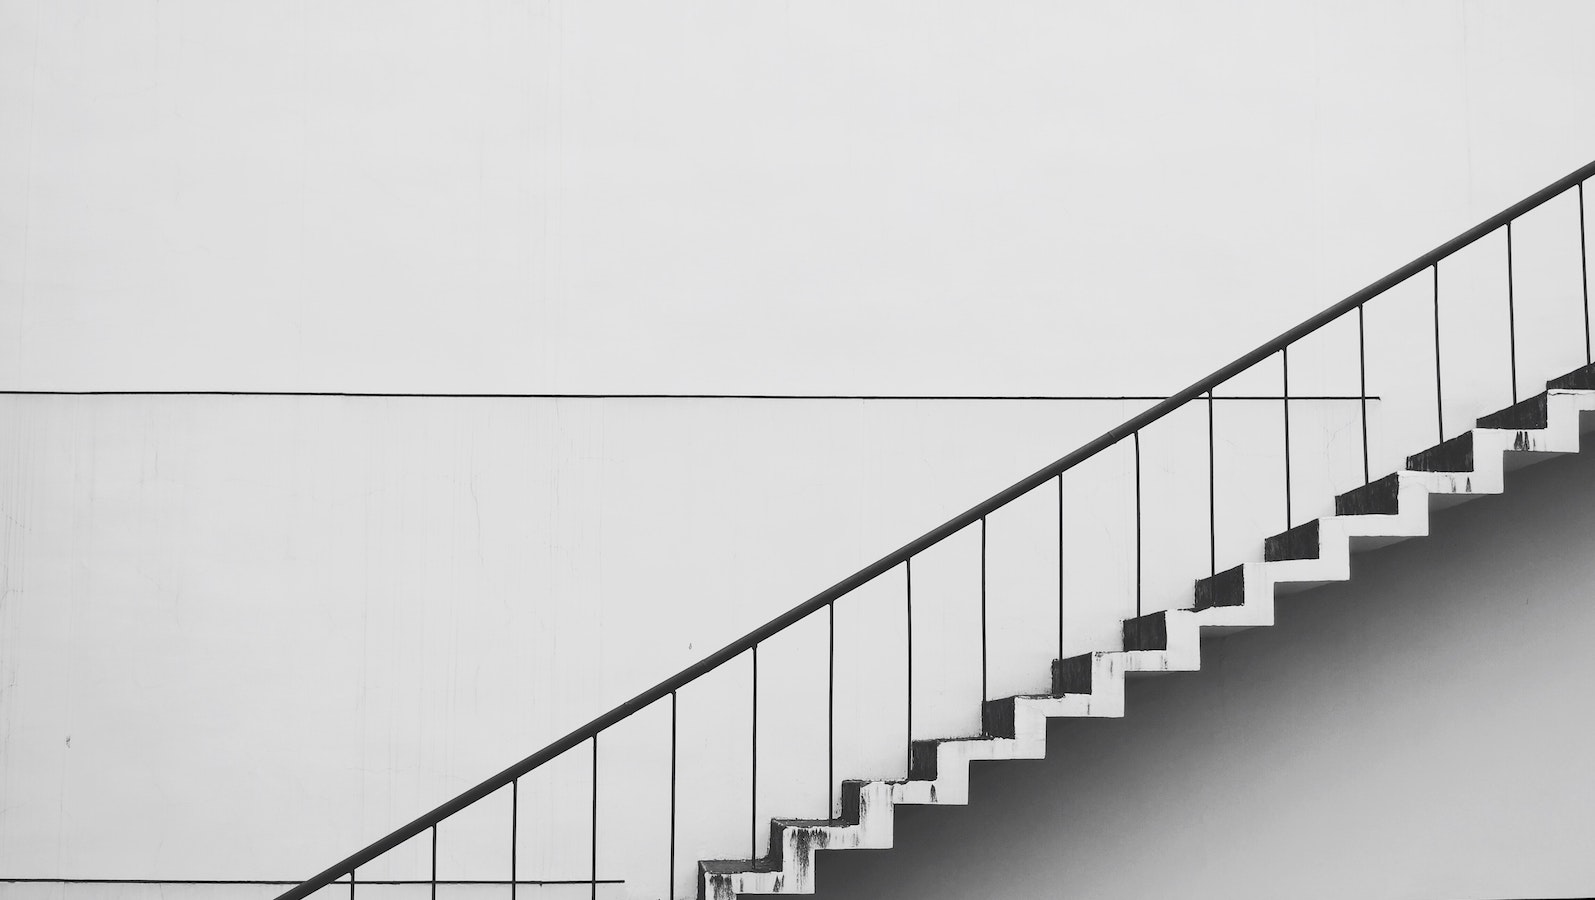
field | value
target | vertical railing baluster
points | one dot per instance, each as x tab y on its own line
1583	267
1060	565
434	862
1137	443
753	779
830	710
1284	358
1439	391
351	882
1362	391
1511	312
593	867
515	828
671	890
908	623
983	694
1212	492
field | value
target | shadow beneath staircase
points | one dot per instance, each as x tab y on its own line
1424	731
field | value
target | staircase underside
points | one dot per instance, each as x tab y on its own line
1390	509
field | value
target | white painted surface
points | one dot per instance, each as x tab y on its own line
708	196
326	615
629	197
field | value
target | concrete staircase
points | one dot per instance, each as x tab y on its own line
1390	509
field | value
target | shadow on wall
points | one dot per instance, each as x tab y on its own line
1424	731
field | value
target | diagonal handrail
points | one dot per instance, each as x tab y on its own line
913	548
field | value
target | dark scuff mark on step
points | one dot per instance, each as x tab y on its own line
1227	588
1148	632
1300	542
1072	675
1533	413
1377	498
1454	455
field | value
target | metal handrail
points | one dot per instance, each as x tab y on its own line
913	548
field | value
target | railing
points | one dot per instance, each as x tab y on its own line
1130	432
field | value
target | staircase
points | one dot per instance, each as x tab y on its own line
1307	553
1392	509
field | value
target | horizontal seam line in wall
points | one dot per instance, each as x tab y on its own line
462	396
372	881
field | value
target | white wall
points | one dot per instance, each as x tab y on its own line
723	198
325	615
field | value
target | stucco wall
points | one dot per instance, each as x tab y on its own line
320	616
312	618
711	196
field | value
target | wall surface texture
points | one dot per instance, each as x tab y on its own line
708	196
240	636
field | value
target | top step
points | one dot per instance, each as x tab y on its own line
1534	412
1576	380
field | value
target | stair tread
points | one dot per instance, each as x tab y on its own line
952	740
812	823
737	866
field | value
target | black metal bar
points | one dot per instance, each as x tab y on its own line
1583	267
515	829
283	882
935	536
908	623
830	711
671	890
351	884
753	778
1439	391
434	862
1137	442
593	892
1060	565
401	395
1362	390
1284	359
1212	492
1511	312
984	696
